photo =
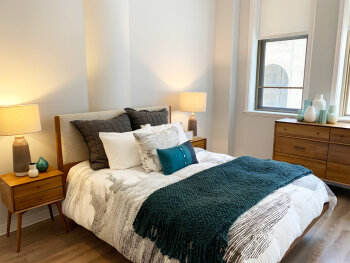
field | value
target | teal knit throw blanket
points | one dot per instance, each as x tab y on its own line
190	220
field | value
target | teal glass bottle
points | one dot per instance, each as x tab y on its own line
42	165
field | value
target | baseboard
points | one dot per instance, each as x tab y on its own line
29	218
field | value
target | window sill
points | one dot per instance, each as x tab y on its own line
271	114
344	119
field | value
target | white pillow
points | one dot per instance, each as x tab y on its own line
180	131
121	149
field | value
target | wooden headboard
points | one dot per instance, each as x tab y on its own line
70	145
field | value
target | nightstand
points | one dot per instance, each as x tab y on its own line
21	194
199	142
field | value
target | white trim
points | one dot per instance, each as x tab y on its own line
254	17
253	37
340	50
300	33
271	114
309	50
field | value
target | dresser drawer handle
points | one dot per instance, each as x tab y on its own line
285	129
300	148
342	136
318	133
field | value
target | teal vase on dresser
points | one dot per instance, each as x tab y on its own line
42	165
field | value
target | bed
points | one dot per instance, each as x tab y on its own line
106	202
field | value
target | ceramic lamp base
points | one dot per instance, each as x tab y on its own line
21	156
192	124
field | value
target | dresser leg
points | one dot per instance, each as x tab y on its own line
51	214
19	227
59	207
9	216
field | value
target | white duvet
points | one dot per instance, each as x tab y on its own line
106	202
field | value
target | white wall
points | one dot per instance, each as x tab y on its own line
325	37
226	67
171	49
107	53
42	60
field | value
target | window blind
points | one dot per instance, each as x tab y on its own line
284	17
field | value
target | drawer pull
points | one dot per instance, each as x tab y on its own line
285	129
300	148
318	133
342	136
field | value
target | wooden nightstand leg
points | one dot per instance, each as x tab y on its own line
59	207
19	228
9	216
51	214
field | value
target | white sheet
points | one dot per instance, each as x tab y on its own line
106	202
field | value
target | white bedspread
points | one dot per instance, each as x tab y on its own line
106	202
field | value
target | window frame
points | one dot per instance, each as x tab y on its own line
346	80
260	72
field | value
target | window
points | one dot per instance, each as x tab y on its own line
345	103
280	74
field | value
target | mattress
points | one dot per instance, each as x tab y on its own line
106	202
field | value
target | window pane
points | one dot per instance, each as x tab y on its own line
285	63
281	98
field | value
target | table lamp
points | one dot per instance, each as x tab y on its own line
17	120
193	102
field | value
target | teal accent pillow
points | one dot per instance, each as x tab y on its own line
176	158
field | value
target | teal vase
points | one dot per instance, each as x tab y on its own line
42	165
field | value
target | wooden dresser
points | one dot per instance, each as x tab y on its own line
323	148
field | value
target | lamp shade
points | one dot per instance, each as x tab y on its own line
19	119
193	101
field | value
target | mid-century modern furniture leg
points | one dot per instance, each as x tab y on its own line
9	216
51	214
61	215
19	227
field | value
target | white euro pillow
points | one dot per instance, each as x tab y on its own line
180	131
121	148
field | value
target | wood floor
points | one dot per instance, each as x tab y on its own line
328	241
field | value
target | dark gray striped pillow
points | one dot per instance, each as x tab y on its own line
142	117
90	131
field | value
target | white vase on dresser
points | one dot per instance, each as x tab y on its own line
310	114
319	103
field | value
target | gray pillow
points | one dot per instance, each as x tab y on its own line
142	117
90	131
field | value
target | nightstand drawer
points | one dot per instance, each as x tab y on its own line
38	198
38	186
200	144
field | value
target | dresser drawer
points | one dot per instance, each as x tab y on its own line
303	148
340	135
339	153
38	198
316	166
303	131
38	186
338	172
